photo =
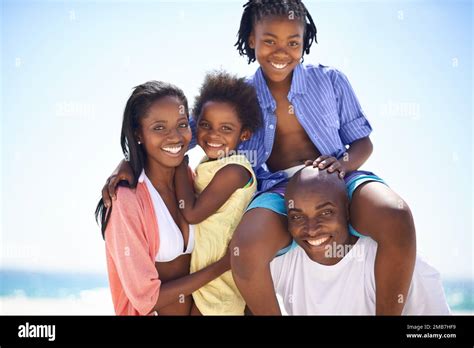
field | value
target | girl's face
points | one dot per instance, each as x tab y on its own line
278	45
219	129
165	133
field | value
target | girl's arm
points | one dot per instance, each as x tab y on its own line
224	183
171	291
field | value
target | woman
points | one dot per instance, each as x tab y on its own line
148	242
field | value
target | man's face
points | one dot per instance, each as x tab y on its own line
317	220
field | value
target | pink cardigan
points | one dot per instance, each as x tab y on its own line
132	242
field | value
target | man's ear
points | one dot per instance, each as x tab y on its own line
245	135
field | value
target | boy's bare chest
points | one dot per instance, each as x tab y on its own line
292	145
287	122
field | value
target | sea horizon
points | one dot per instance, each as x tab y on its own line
24	292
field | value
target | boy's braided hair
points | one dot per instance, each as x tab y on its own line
255	10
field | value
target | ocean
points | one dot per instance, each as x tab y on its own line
42	293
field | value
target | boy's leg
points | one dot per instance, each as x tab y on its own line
257	239
377	211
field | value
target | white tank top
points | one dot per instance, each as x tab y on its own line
171	237
348	287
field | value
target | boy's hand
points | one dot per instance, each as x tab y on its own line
329	163
122	172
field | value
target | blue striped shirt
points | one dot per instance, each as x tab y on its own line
325	106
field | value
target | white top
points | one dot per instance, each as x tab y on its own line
171	237
348	287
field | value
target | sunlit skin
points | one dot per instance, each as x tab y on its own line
318	214
219	124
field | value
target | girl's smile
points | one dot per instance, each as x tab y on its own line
219	129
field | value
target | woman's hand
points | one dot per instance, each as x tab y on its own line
329	163
122	173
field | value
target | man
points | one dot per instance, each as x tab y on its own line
330	270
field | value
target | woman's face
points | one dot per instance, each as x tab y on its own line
164	132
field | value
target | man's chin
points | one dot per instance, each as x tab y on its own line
318	256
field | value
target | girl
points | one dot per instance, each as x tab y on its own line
148	242
227	113
309	112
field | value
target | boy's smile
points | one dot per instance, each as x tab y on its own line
278	45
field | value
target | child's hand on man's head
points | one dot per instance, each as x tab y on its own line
327	162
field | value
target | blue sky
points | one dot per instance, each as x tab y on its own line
67	69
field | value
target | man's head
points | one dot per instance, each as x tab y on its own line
318	213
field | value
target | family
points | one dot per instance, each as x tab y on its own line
277	206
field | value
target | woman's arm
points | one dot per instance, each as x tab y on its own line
224	183
171	291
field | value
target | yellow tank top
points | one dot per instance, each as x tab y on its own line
212	237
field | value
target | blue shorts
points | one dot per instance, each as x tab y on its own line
274	198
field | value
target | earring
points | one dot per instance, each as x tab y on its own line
139	142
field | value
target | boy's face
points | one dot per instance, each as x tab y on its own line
164	132
219	129
318	218
278	45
